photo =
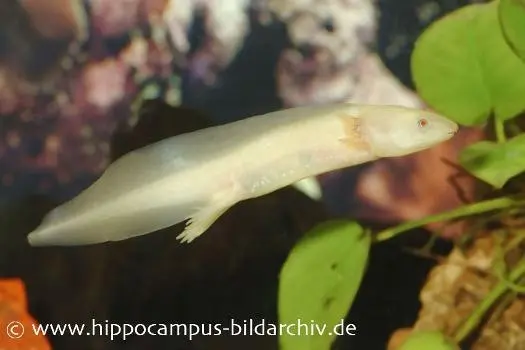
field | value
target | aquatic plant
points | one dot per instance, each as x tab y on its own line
470	66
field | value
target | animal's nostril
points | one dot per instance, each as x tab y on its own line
306	50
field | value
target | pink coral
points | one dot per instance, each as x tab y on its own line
113	18
59	130
104	83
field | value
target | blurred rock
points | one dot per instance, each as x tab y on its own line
58	19
27	45
77	112
463	280
328	39
114	18
223	26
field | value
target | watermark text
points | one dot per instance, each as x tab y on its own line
250	327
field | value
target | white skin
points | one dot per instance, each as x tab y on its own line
198	176
391	140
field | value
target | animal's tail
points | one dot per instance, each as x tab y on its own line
62	227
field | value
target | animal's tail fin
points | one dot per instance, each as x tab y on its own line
61	227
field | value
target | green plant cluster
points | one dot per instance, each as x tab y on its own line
469	66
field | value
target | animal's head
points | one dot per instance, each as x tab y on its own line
403	130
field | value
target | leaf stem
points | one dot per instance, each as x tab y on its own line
476	316
467	210
499	128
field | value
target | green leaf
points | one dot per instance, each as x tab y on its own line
428	340
319	281
512	17
463	67
495	163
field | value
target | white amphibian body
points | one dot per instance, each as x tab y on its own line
198	176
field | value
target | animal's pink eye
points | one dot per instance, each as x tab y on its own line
422	122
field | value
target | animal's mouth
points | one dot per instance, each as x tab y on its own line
454	131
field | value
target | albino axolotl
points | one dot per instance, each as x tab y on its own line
199	175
